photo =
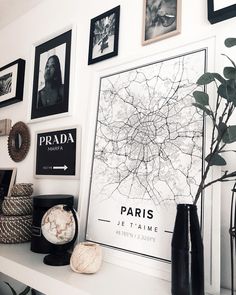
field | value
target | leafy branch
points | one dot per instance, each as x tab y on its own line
222	133
24	292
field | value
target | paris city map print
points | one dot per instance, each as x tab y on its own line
147	154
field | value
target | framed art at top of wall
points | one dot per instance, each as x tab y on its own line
12	82
161	19
51	77
147	155
219	10
57	153
104	36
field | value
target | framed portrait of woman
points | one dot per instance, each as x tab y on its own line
51	76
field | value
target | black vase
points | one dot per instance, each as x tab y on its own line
187	264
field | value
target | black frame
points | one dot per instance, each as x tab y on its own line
18	96
7	180
41	49
116	11
57	159
215	16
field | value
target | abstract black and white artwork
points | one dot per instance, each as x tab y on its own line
161	19
104	34
147	154
5	84
12	82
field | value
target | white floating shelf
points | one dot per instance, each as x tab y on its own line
18	262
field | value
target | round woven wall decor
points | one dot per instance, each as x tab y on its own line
19	141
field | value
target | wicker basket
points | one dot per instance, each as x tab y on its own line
22	189
15	229
17	206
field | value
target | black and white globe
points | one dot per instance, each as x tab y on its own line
58	225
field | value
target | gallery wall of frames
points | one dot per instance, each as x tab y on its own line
89	80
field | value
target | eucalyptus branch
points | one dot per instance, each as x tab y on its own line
233	63
220	113
222	178
228	151
214	149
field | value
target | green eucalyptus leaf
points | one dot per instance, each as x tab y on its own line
25	291
219	78
227	92
205	79
215	160
230	135
222	127
203	108
201	97
230	59
12	290
230	73
229	42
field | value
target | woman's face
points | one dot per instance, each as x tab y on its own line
50	70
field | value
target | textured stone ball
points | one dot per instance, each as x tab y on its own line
86	258
58	225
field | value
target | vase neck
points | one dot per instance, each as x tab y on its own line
186	207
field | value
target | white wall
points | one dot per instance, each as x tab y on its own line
53	15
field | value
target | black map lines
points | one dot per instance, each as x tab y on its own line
149	137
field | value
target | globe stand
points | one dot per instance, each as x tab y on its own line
57	259
60	253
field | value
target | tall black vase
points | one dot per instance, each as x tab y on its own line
187	265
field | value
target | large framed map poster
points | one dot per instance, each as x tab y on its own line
147	154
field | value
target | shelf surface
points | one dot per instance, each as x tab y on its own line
18	262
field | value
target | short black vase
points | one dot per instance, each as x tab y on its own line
187	263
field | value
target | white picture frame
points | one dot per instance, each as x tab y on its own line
211	212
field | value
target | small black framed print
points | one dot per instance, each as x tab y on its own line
104	36
7	180
12	82
220	10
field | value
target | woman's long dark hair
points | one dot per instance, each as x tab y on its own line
57	78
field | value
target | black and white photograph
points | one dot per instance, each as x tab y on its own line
161	19
5	84
7	179
220	10
57	153
12	82
51	77
104	34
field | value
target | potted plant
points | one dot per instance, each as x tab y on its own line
187	248
24	292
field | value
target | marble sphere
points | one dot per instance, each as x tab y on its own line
58	225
